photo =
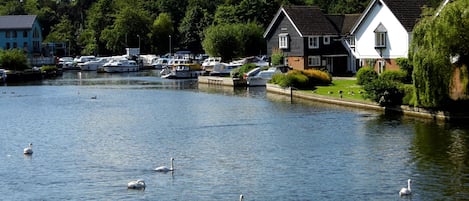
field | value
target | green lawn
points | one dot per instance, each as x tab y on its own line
350	90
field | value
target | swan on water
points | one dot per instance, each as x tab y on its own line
28	150
139	184
406	191
165	168
241	197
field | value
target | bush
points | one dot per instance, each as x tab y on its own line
406	66
304	79
366	75
408	94
318	77
48	68
384	92
239	72
276	58
393	75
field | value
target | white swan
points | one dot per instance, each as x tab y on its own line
406	191
241	197
139	184
28	150
166	169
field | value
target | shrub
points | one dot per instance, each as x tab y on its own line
277	57
239	72
408	94
406	66
384	92
366	75
393	75
318	77
48	68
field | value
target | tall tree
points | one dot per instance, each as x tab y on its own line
436	39
162	32
192	27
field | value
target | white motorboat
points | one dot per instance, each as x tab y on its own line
223	69
93	65
184	71
160	63
210	63
120	66
258	77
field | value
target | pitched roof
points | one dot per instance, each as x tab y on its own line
407	11
307	20
17	21
344	23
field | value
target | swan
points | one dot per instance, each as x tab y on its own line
165	168
28	150
406	191
241	197
139	184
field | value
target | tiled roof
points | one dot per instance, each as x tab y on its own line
407	11
345	22
310	20
17	21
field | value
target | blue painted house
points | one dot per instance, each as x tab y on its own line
21	31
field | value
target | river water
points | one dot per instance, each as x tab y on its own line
225	142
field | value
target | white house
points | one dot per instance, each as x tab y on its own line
383	33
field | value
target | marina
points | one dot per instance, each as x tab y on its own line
94	133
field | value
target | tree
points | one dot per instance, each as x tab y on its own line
13	59
130	26
436	39
230	40
161	31
221	41
192	27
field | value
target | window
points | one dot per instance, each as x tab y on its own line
314	61
326	40
380	36
25	34
7	34
313	42
283	41
15	45
8	46
380	39
36	33
15	34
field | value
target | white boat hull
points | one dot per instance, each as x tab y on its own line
119	69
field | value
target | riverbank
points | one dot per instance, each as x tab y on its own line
404	110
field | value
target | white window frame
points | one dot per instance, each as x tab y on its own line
314	60
313	42
326	40
283	41
351	41
380	39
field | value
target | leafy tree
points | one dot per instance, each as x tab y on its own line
161	31
251	41
130	26
226	15
99	16
192	27
13	59
221	41
436	39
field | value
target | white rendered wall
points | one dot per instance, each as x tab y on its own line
397	41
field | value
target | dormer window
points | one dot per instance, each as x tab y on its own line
380	36
283	41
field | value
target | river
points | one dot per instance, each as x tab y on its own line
225	142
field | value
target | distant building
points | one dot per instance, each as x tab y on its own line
22	32
310	39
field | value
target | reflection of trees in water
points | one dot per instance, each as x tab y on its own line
441	152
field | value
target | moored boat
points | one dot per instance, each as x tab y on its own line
184	71
120	65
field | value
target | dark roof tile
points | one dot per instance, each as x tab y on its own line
17	21
310	20
407	11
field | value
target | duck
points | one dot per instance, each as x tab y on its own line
138	184
165	168
406	191
28	150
